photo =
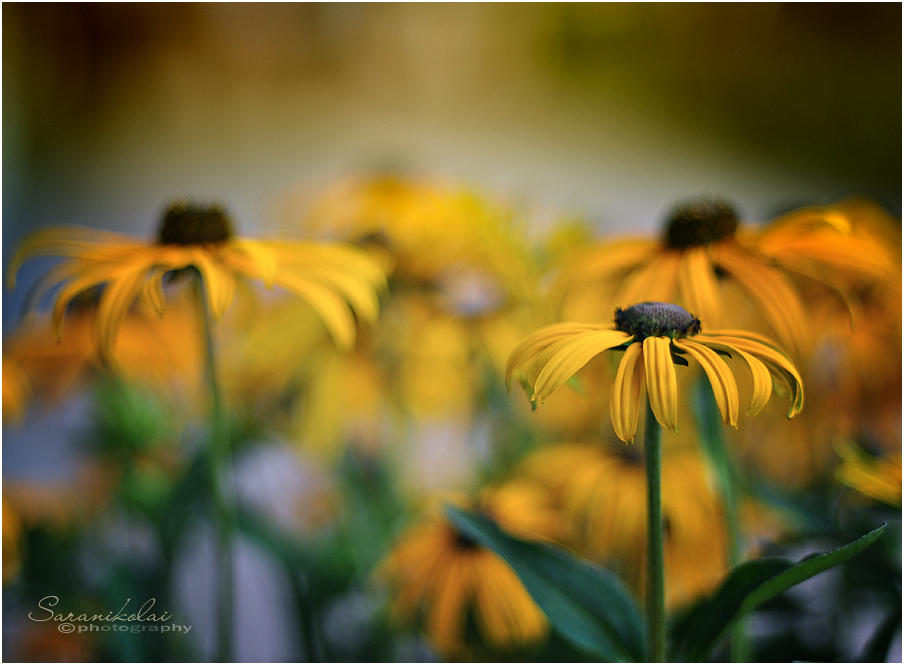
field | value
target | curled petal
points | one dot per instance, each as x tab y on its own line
574	354
333	310
720	378
775	360
662	386
534	343
624	402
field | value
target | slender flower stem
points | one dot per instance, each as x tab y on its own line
709	422
222	491
656	635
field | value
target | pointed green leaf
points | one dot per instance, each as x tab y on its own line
586	604
748	586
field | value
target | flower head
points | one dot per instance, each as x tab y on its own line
705	254
654	337
336	280
436	573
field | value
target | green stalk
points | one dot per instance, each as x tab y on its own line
221	483
709	423
655	608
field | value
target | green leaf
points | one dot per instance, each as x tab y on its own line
589	606
750	585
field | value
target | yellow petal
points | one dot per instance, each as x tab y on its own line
574	356
151	297
219	282
624	401
698	286
720	378
262	257
542	338
446	622
662	386
118	296
775	295
656	281
332	309
762	383
775	360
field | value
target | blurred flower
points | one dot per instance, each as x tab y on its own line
163	353
335	280
436	573
16	391
704	250
875	477
43	643
603	491
654	336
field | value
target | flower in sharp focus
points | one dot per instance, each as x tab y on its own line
336	280
654	337
438	575
706	256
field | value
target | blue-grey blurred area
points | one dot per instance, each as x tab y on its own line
610	111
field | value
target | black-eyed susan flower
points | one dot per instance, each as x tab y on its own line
601	492
705	256
654	336
439	576
338	281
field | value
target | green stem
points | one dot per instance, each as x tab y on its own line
222	491
656	635
709	422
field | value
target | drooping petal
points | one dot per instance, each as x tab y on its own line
720	378
542	338
775	360
662	386
333	310
773	292
446	622
698	286
218	280
90	278
77	242
624	400
263	259
118	296
573	357
151	298
762	382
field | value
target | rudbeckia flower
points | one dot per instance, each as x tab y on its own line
336	280
602	492
654	336
439	575
706	256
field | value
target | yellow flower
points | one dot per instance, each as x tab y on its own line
436	573
875	477
336	280
603	494
705	255
654	336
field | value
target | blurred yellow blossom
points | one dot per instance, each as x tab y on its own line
441	577
335	280
876	477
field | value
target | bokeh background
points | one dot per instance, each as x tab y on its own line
606	112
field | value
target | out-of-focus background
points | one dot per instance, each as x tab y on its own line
607	113
608	110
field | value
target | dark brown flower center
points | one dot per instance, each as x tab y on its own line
699	223
190	224
656	319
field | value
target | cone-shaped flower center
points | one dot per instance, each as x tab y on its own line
656	319
188	224
698	223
